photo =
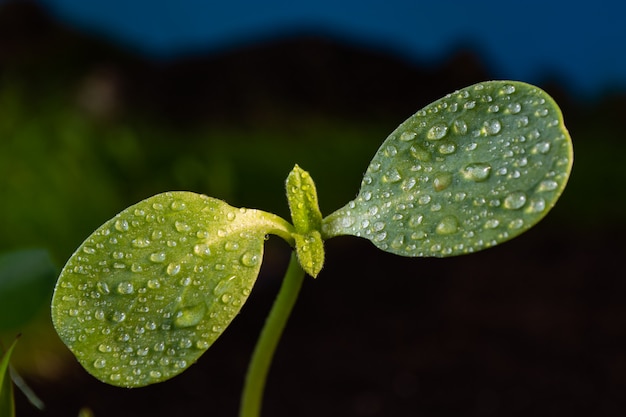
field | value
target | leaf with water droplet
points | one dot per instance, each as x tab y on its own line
477	167
307	220
150	290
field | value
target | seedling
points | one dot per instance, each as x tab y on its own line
151	289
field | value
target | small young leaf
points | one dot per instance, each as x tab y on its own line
471	170
307	220
7	402
150	290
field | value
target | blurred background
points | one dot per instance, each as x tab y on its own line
105	103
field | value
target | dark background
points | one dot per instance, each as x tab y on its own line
535	327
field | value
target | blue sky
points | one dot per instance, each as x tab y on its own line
583	44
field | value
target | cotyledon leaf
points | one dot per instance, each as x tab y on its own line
471	170
150	290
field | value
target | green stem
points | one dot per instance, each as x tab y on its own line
258	369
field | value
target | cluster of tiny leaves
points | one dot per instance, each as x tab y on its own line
469	171
149	291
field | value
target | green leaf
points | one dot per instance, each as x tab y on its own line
307	220
26	281
7	402
469	171
150	290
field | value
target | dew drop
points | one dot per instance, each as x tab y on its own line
157	257
89	250
398	242
442	181
492	127
125	287
249	259
189	316
178	205
121	225
140	243
420	153
542	148
447	226
202	249
231	246
447	148
516	224
155	374
460	127
437	132
536	205
477	172
407	136
392	176
118	316
182	226
99	363
514	108
154	284
547	185
424	199
508	89
515	200
173	269
103	287
492	224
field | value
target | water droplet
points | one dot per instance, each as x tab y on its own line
492	224
460	127
541	147
442	181
398	242
178	205
477	172
447	148
424	199
173	269
516	224
536	205
492	127
155	374
121	225
202	249
437	132
508	89
231	246
494	108
547	185
392	176
104	348
157	257
154	284
514	108
190	316
448	225
391	151
420	153
125	287
103	287
249	259
118	316
408	184
407	136
515	200
89	250
541	112
140	242
99	363
469	105
182	226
